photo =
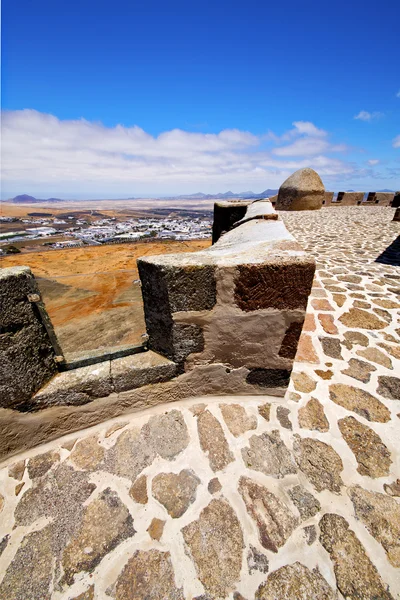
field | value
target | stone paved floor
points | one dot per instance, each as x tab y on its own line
268	498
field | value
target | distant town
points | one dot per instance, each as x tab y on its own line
39	230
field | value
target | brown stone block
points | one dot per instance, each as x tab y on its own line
281	285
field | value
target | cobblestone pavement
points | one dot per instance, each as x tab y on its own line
259	497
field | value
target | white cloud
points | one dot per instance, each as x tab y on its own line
398	94
396	142
364	115
81	158
373	162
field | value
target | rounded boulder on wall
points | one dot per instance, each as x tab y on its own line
303	190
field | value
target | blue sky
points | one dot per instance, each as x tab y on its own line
109	99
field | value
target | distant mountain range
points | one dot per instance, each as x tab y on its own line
225	195
25	199
249	195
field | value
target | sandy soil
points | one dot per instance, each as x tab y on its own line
90	292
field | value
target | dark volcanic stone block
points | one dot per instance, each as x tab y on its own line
396	200
182	288
173	289
281	286
290	342
27	357
187	338
269	378
227	214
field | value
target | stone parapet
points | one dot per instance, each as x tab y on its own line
226	214
27	355
349	198
225	320
380	198
396	200
328	197
240	303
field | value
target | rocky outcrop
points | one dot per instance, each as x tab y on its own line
303	190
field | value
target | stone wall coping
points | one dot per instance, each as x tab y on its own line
7	272
255	241
84	384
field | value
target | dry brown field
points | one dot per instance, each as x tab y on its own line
90	292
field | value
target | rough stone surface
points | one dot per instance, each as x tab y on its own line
331	347
134	371
275	522
303	382
283	286
312	416
282	414
265	411
30	573
376	356
214	485
328	325
303	190
361	319
213	441
320	463
306	351
359	401
148	575
393	489
138	490
295	582
106	523
237	419
381	516
310	534
372	455
215	542
27	357
306	503
389	387
356	576
75	387
155	529
257	561
131	453
359	369
267	453
87	454
175	492
17	470
40	464
355	337
167	434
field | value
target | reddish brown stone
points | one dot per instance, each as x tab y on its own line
282	286
328	324
321	304
340	299
306	351
309	322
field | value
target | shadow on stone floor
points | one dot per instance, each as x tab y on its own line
391	256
